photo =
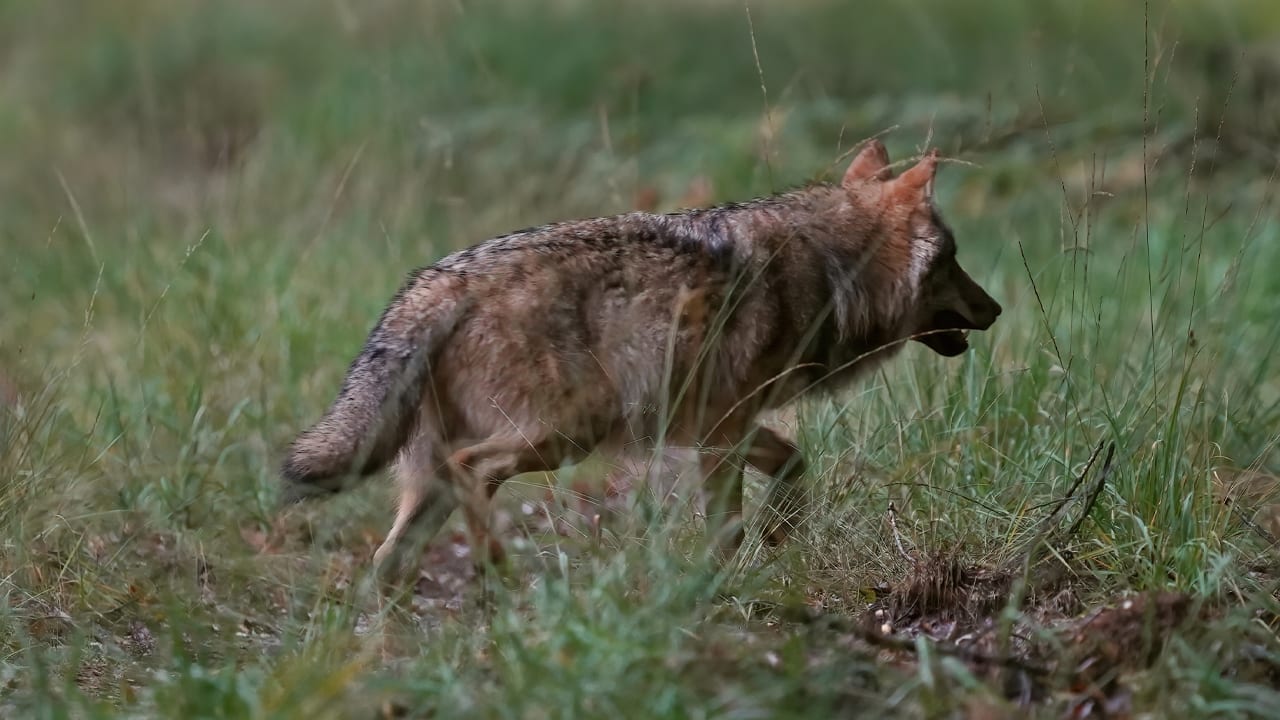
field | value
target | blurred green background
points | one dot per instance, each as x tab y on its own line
204	205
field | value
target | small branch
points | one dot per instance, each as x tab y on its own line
1249	523
841	623
1056	514
1047	525
897	537
1096	491
873	637
890	642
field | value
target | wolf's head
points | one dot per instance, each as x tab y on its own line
916	253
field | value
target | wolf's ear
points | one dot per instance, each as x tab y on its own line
871	162
918	180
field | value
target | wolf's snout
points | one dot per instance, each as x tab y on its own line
986	314
979	308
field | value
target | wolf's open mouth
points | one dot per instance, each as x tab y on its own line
948	333
949	343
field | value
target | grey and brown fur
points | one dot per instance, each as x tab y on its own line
529	351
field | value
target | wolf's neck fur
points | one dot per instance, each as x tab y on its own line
814	235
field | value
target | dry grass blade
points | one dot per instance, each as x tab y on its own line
1087	507
897	537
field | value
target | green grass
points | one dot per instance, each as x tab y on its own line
203	207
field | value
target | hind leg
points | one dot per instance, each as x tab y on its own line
423	510
477	471
425	504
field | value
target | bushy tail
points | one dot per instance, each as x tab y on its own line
378	405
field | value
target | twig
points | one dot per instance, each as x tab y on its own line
805	615
878	639
1249	523
897	538
1056	514
1095	492
1047	525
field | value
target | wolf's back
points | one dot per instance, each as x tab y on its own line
376	408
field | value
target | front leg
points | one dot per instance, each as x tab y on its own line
785	505
722	478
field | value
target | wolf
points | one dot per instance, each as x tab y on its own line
529	351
